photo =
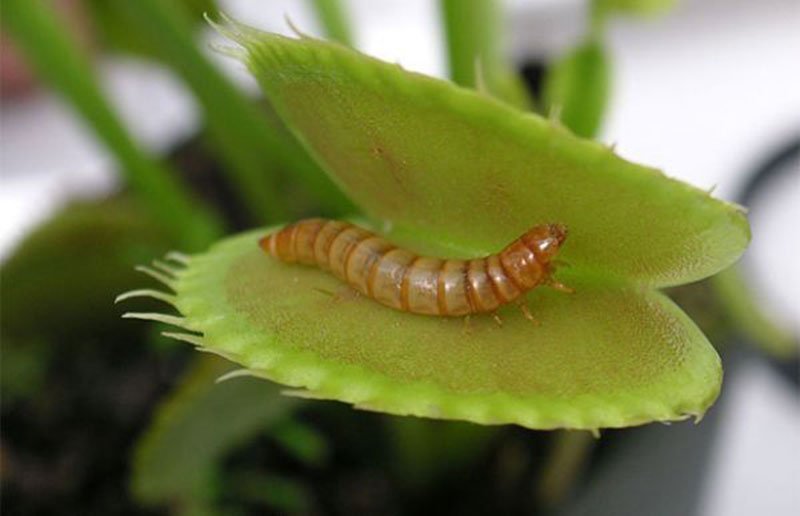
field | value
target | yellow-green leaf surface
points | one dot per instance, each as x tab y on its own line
609	355
453	172
449	172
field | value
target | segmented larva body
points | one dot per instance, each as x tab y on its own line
403	280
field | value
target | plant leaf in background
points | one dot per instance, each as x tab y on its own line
259	156
633	7
302	441
276	492
577	85
425	450
66	271
449	172
474	50
577	88
331	15
742	307
177	460
117	33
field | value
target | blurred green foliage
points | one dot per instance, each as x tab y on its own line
58	285
476	58
632	7
50	49
334	20
577	88
62	279
116	33
177	461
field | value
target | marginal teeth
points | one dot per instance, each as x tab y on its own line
179	258
189	338
158	276
300	34
166	269
174	320
146	292
234	374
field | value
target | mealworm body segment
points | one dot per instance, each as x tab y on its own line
402	280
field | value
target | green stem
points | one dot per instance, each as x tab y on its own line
564	466
743	310
598	19
248	146
425	450
472	29
577	87
332	16
50	49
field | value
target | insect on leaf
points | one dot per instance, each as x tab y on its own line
448	172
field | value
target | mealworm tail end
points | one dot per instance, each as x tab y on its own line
266	244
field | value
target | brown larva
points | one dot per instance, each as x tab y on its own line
400	279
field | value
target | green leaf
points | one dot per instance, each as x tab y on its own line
116	32
23	369
259	156
60	280
633	7
248	147
302	441
425	451
332	16
178	458
577	87
280	493
475	53
449	172
750	318
567	459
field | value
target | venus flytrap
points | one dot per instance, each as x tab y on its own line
448	172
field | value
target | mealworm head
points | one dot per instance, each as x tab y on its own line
545	241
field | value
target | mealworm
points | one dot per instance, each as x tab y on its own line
402	280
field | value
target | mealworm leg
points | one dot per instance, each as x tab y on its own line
527	313
346	294
467	325
497	319
325	292
560	287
